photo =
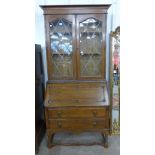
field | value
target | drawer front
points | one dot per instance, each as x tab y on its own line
77	124
77	113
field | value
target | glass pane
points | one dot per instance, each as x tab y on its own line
61	48
90	47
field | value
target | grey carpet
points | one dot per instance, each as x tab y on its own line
83	138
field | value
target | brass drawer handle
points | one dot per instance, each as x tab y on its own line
95	113
59	114
59	124
77	101
94	124
49	101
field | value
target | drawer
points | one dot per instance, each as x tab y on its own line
77	113
76	124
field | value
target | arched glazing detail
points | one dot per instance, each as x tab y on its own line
61	48
90	47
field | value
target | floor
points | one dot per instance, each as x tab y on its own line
83	138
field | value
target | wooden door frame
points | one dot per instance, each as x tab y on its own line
102	18
50	18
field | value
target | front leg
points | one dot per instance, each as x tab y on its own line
50	135
106	140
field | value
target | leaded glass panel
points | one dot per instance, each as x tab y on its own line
61	48
90	47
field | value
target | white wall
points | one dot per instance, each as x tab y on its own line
116	14
113	21
40	32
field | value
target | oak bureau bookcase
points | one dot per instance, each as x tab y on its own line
76	98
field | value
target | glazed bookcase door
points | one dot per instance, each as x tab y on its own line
60	33
91	46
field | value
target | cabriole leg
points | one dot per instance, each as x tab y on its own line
50	135
105	137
